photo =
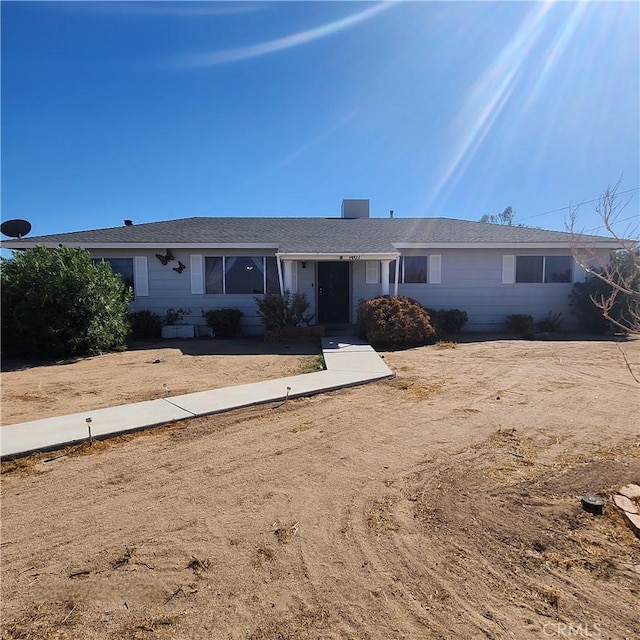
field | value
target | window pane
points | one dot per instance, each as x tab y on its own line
244	275
529	269
273	283
122	266
392	271
557	268
213	275
415	269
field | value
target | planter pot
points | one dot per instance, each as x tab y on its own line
178	331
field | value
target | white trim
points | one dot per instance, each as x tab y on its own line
434	269
498	245
140	276
150	246
280	277
197	274
397	276
337	257
290	276
384	277
508	269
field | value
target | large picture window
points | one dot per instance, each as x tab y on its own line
241	275
543	269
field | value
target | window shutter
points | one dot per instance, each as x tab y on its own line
140	276
508	269
435	269
197	274
373	272
294	276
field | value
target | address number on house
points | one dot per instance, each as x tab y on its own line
353	257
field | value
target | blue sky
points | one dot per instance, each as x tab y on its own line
161	110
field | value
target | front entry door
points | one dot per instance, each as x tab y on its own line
333	292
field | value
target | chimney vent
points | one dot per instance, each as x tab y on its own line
391	213
355	209
128	223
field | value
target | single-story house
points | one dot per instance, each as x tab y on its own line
203	263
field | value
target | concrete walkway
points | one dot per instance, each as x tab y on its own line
349	362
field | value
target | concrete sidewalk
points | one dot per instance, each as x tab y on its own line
349	362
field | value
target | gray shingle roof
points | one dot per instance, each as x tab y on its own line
308	235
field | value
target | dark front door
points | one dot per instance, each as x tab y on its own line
333	292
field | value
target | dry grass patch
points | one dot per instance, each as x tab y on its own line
417	387
287	533
380	515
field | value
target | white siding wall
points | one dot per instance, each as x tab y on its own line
307	285
169	289
471	280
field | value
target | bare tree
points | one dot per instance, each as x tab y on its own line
620	271
507	218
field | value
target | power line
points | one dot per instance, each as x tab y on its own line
538	215
616	222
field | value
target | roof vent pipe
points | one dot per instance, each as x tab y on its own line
391	213
128	223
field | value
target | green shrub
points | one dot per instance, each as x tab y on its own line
145	324
277	312
394	321
590	318
447	321
224	322
176	316
551	323
450	320
520	323
58	303
622	270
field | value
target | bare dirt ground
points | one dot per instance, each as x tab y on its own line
33	390
444	503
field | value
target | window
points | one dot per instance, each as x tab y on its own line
557	268
122	266
543	269
529	268
416	270
241	275
213	275
273	281
244	275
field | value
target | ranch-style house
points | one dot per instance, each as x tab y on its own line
203	263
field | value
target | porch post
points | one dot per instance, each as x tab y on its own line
384	276
395	286
288	275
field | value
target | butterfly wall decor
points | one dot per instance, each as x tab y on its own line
180	268
167	258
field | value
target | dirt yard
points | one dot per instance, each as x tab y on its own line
444	503
33	390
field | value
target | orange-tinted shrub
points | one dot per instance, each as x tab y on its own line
394	321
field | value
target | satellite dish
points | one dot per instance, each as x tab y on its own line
15	228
